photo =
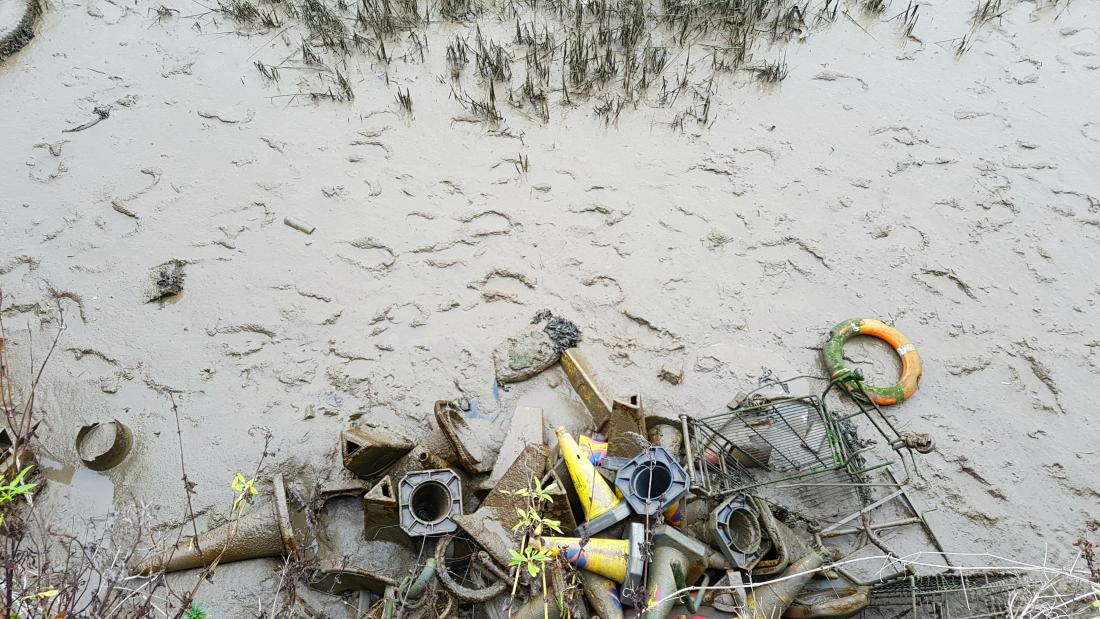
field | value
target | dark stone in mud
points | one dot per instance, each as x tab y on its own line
165	280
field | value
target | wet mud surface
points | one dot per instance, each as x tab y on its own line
882	177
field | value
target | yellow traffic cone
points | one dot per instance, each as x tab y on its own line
618	559
602	507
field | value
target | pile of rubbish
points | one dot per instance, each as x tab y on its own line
737	513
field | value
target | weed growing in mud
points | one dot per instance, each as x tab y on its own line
613	53
772	72
195	611
532	557
240	11
909	19
404	101
12	490
457	59
270	72
535	54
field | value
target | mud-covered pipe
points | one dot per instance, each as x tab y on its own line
771	600
423	579
603	594
538	608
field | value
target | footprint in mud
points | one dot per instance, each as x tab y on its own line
488	223
601	290
411	315
503	285
934	280
373	255
46	163
103	370
242	340
599	214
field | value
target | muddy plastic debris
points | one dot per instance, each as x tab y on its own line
461	591
103	446
664	432
652	481
921	442
427	501
299	225
770	601
583	380
525	429
535	348
164	280
17	20
625	429
492	524
265	530
369	451
381	514
466	441
734	528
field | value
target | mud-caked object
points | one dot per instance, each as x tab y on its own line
17	19
271	529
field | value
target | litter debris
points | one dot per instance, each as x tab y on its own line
428	500
535	348
621	560
576	369
103	446
271	530
833	352
719	514
165	280
652	481
369	451
299	225
380	513
466	443
602	508
672	377
102	112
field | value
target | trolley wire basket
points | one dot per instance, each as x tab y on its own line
788	442
949	595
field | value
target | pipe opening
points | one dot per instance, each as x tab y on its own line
744	531
650	482
430	502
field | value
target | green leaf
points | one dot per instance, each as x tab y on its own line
532	569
